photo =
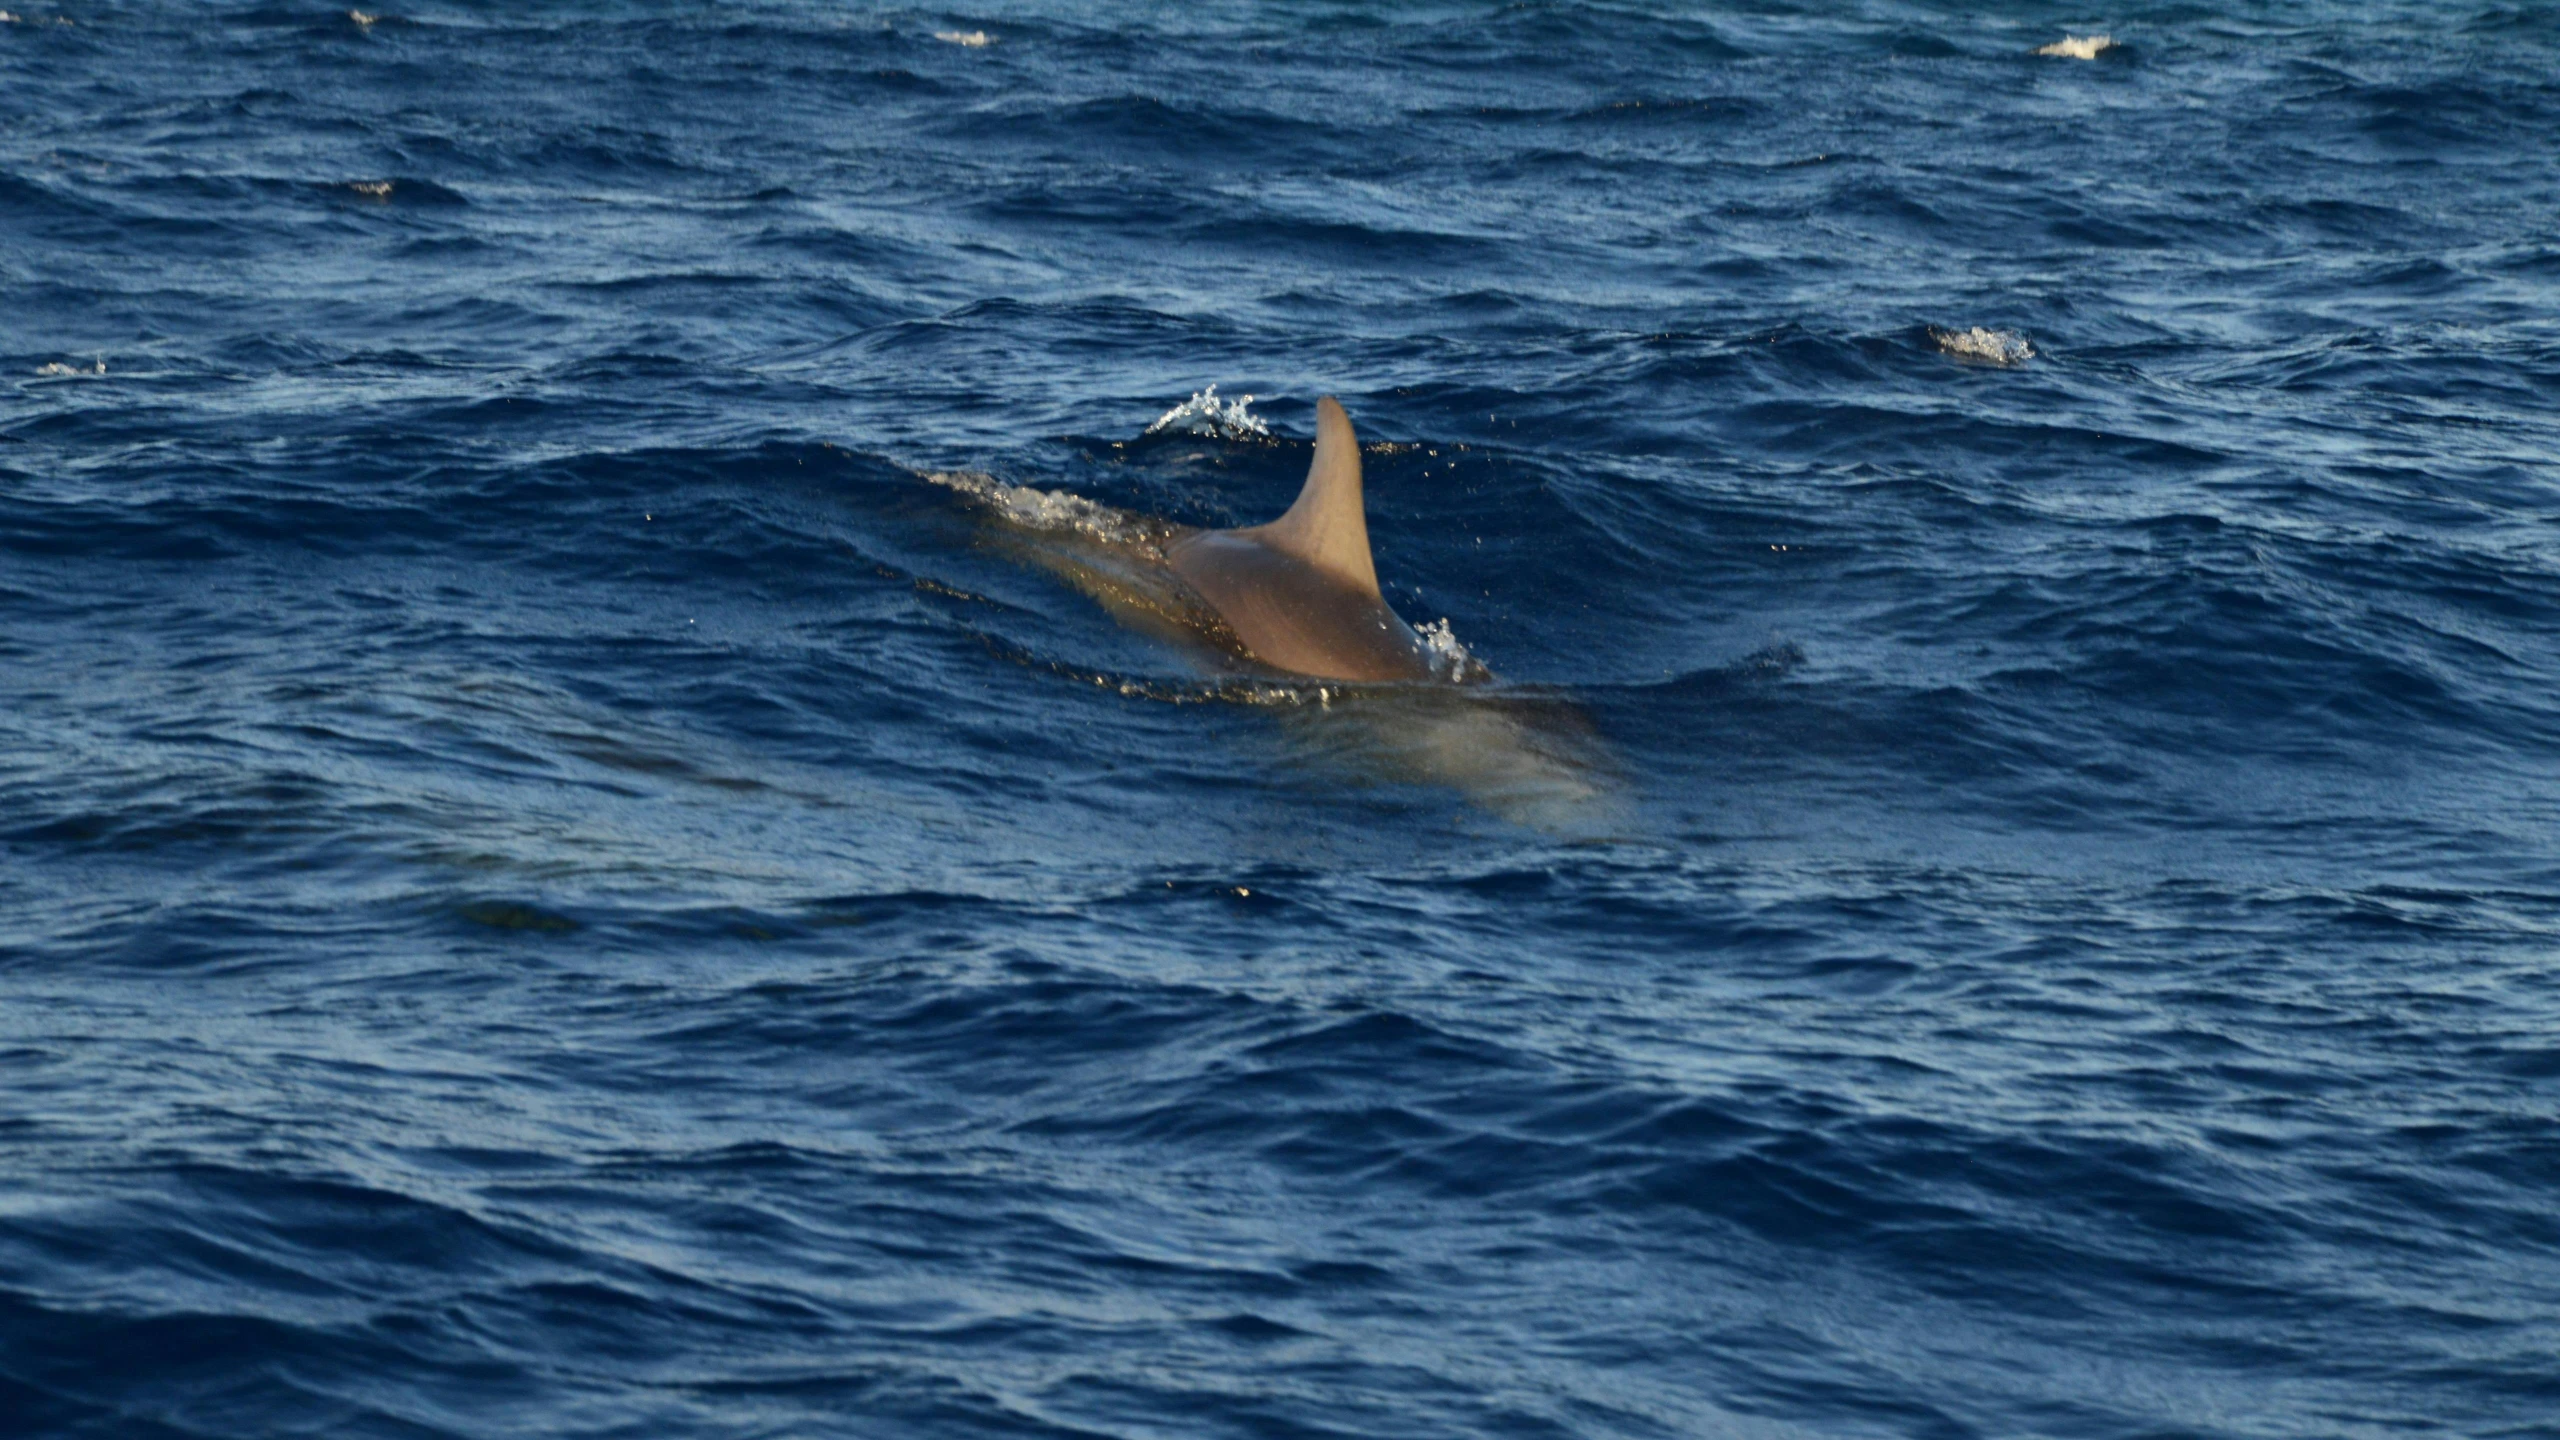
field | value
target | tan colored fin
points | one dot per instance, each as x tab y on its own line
1328	527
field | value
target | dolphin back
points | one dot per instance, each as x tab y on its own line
1296	616
1301	593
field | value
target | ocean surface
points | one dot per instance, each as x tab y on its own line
571	866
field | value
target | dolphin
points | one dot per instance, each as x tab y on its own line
1301	593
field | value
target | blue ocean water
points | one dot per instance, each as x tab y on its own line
553	881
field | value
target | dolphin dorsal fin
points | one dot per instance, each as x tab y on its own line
1328	527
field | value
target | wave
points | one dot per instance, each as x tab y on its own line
398	190
1143	126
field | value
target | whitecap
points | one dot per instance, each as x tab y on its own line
363	20
56	367
375	189
2078	47
974	39
1206	414
1992	347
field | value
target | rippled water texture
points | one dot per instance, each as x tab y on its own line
553	883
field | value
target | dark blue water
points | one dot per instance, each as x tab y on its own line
552	883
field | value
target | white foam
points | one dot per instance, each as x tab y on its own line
1449	658
363	20
2078	47
1992	347
56	367
974	39
1206	414
377	189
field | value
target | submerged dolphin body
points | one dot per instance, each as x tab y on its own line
1301	593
